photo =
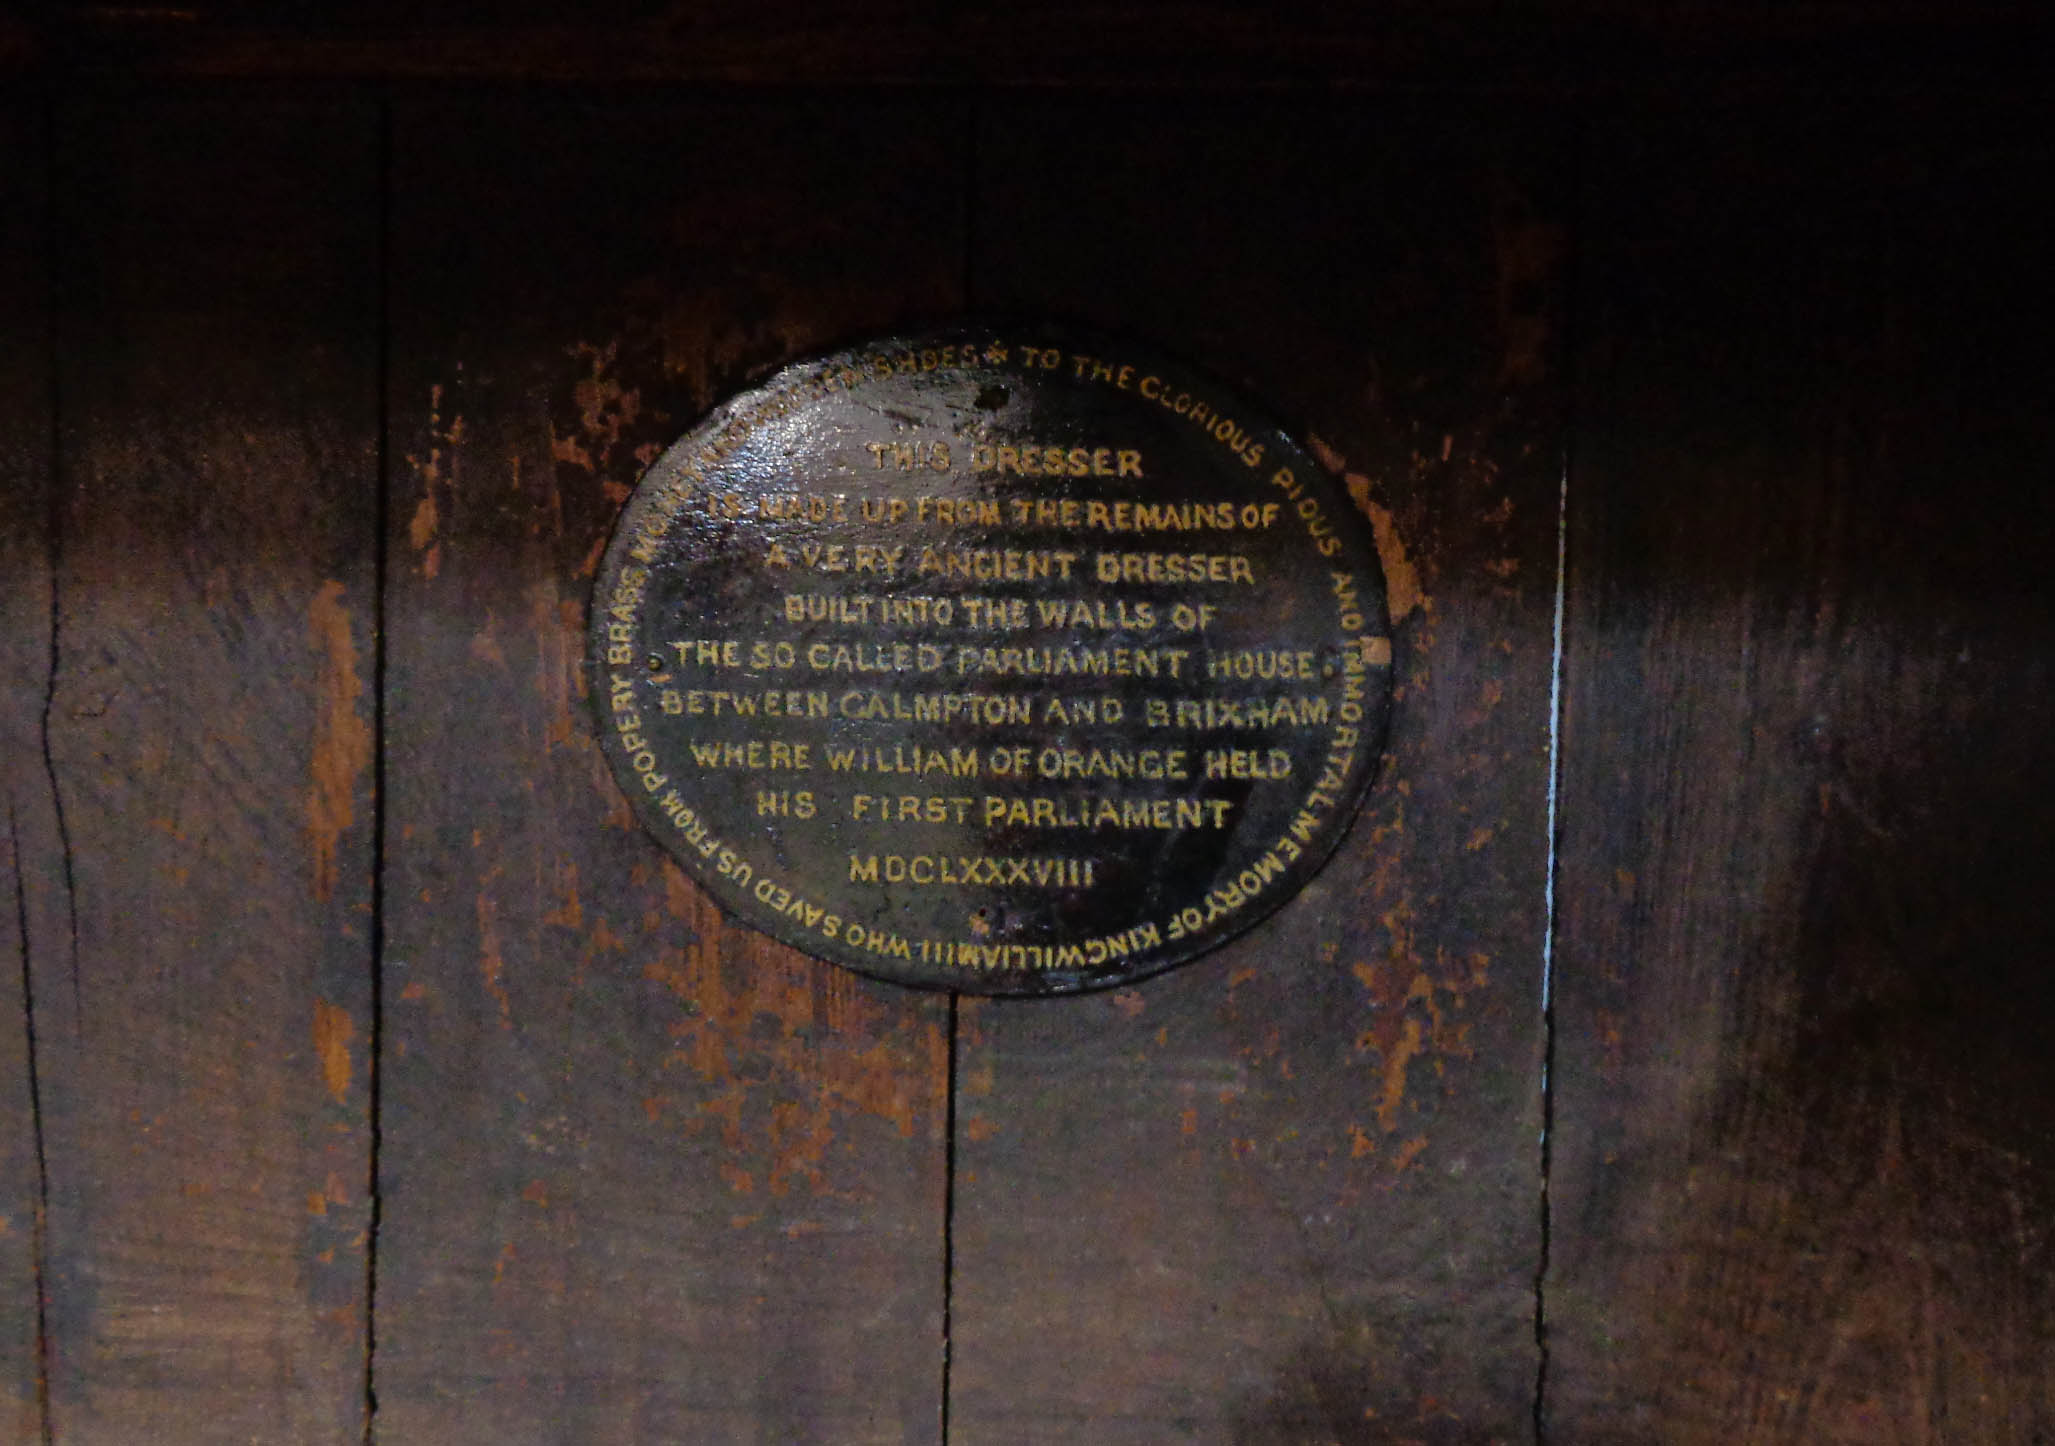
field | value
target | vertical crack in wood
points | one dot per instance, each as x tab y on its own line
54	559
53	551
39	1244
381	513
78	1010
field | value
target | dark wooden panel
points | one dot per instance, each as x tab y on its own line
1290	1192
646	1175
24	784
1805	1165
201	1030
1449	45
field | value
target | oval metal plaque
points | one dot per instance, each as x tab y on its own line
998	659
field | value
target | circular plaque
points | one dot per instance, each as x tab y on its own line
1000	659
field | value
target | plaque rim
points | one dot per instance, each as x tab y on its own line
1262	421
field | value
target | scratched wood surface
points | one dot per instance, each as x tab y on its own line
24	787
1804	1126
201	933
1290	1192
645	1174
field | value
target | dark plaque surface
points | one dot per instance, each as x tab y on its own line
996	659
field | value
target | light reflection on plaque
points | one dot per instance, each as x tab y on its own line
1000	659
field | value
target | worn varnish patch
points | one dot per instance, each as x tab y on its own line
1401	580
434	468
333	1031
1421	1008
773	1023
342	738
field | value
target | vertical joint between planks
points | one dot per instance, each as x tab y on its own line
948	1212
967	218
1548	935
967	225
381	510
1550	888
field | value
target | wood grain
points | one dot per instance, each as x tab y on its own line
1290	1192
645	1174
201	1024
1804	1162
27	842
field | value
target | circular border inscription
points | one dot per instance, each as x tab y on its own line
1001	659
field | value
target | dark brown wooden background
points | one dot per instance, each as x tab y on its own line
1666	1056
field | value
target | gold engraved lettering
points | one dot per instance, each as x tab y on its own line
1345	599
958	511
911	758
874	657
1265	663
932	456
1097	811
1206	715
803	507
1147	567
1042	460
837	557
708	653
1225	899
910	807
1141	516
973	871
995	612
785	803
1071	662
866	609
984	564
993	710
1080	613
755	754
1150	763
1247	763
1092	953
1021	619
771	703
1106	709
